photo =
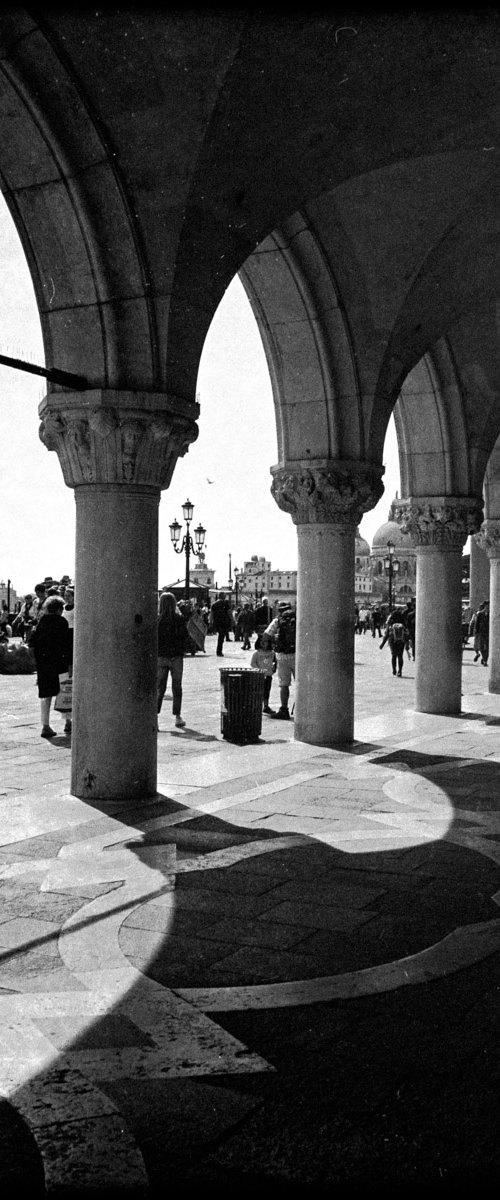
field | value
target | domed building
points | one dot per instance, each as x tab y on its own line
362	567
404	562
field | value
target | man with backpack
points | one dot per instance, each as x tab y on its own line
397	635
283	631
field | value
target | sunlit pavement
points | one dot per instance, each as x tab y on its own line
279	973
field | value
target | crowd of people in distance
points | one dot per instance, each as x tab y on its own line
273	650
45	623
394	627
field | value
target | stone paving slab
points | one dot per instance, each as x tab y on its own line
261	975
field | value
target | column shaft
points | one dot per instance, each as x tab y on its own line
326	498
488	542
494	641
438	660
324	707
479	574
117	449
115	655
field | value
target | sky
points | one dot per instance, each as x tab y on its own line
225	473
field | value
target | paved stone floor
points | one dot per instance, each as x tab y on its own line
280	973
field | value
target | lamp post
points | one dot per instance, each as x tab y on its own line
236	583
187	546
391	565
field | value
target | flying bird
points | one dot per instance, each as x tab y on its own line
209	480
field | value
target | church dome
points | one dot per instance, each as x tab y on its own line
362	549
391	531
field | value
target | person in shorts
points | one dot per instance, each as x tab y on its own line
283	631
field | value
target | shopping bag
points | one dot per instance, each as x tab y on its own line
64	699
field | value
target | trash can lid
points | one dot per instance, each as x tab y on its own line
239	670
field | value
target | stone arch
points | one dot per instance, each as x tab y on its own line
88	268
305	334
431	429
492	485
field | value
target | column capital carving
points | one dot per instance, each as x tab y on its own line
443	521
488	538
107	436
327	491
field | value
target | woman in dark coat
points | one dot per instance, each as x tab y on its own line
172	645
51	645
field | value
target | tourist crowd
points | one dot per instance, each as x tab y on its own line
45	622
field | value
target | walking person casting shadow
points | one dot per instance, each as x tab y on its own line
173	639
52	647
397	636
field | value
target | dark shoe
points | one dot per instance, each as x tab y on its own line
476	656
67	726
270	711
47	732
220	654
484	662
393	671
400	673
282	714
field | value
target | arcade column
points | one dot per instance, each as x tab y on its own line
479	588
326	499
440	526
117	450
489	540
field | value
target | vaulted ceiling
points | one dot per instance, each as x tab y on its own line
348	167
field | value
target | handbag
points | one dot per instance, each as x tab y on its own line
64	699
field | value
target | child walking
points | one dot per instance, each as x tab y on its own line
264	659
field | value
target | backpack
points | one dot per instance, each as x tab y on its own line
285	640
398	632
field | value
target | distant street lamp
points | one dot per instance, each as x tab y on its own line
187	546
391	565
236	583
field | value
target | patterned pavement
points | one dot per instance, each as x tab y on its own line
281	971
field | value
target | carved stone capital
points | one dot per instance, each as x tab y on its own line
327	491
488	538
117	437
444	521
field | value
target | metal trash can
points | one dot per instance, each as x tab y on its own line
241	702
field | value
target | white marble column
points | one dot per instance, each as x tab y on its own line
117	450
440	526
489	540
326	500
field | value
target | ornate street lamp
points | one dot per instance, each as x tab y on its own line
391	565
187	546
